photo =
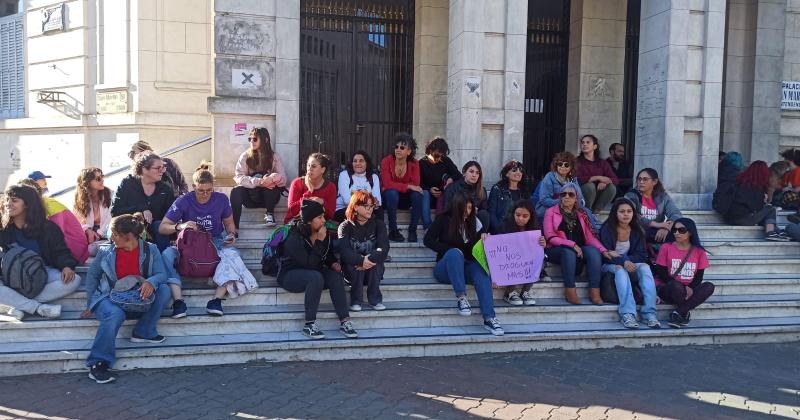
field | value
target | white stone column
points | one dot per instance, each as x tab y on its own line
679	99
790	119
767	77
431	22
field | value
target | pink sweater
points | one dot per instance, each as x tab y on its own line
553	219
242	174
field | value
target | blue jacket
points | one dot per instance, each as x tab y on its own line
637	253
500	203
550	186
102	274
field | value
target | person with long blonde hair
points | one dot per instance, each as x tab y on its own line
92	206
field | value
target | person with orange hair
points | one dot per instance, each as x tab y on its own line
749	205
363	246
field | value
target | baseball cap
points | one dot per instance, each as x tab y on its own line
37	175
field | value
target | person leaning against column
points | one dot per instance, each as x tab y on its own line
125	260
597	180
572	245
259	176
312	186
23	223
400	184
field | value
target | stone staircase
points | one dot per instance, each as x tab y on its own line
757	299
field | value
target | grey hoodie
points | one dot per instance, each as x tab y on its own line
667	210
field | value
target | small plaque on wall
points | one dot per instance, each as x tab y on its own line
112	102
53	18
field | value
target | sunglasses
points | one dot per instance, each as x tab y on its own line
682	230
569	194
563	164
399	147
515	169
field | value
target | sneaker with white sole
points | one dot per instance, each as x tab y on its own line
269	219
463	306
10	312
153	340
528	298
311	330
493	325
651	321
379	307
777	236
629	321
513	298
676	320
99	373
49	311
355	307
346	328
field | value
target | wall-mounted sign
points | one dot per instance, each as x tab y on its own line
112	102
53	18
791	95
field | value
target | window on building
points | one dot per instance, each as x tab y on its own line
12	65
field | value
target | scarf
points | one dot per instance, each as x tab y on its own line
570	218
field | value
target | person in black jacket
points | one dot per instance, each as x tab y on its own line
173	176
730	166
748	205
24	224
143	191
437	171
363	246
513	186
623	235
471	185
308	265
452	236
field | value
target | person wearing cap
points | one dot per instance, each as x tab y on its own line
41	180
308	265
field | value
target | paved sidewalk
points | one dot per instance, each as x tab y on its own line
714	382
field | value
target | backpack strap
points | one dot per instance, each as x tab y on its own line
686	258
146	270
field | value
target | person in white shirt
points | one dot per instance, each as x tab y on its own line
359	175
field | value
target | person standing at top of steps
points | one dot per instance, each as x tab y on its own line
513	186
623	233
144	191
400	183
313	186
598	181
436	172
205	210
125	261
748	206
259	178
522	218
308	265
363	246
657	211
679	272
562	170
359	175
24	224
471	186
172	175
92	207
572	245
452	236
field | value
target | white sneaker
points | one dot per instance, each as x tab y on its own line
493	325
355	307
527	298
378	306
269	220
11	312
49	311
513	298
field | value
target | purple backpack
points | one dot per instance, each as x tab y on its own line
197	255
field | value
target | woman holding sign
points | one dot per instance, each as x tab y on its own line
571	243
623	233
453	235
522	218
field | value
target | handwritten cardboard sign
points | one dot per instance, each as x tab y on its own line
514	258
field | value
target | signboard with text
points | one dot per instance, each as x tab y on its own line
112	102
514	258
53	18
790	99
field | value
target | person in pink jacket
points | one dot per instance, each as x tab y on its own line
572	244
259	177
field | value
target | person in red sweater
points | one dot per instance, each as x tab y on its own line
312	186
400	185
598	181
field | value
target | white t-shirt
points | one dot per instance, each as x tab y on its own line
345	190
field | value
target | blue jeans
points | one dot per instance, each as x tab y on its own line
426	208
453	269
571	264
111	318
627	305
170	255
161	241
391	200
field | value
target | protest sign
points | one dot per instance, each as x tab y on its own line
514	258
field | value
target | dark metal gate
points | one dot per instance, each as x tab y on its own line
545	83
631	80
356	76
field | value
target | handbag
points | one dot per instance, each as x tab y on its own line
130	300
608	289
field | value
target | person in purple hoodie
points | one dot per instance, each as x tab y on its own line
598	181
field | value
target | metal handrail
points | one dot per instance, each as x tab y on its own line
168	152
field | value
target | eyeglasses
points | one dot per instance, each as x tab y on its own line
252	139
563	164
367	206
682	230
399	147
643	179
569	194
204	192
158	168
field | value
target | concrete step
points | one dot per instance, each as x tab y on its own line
197	293
410	314
56	356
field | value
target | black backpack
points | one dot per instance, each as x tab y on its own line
24	271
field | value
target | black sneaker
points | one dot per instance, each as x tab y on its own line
311	330
686	319
777	236
493	325
412	235
347	330
396	236
155	340
214	307
178	309
677	321
100	374
794	218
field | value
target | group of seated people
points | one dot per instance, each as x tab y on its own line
645	243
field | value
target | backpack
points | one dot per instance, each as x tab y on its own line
270	253
24	271
197	255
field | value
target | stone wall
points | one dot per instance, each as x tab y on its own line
740	45
790	120
430	69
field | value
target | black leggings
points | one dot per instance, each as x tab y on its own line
258	197
312	282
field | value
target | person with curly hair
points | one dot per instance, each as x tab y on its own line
92	206
400	184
